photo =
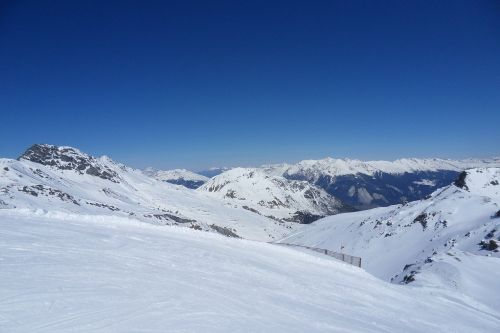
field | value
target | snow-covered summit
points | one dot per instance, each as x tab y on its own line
275	196
69	158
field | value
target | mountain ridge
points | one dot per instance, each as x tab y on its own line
433	241
68	181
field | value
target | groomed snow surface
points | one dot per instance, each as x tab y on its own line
121	275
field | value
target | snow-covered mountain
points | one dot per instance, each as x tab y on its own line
273	196
182	177
378	183
449	239
51	180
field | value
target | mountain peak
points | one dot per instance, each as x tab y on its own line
69	158
47	154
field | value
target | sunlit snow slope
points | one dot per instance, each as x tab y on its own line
449	239
117	275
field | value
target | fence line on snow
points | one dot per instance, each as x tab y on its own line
355	261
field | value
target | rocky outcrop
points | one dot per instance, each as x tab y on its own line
68	158
460	181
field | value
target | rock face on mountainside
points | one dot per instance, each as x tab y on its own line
65	182
181	177
68	158
273	196
430	240
381	189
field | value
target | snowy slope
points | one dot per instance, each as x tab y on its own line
63	274
440	240
274	196
54	179
182	177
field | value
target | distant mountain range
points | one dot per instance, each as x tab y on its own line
261	203
211	172
357	184
182	177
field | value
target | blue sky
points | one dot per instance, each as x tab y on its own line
199	84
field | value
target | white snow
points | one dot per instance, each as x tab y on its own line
121	275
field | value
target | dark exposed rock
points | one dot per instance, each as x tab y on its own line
218	187
251	209
409	278
230	194
491	245
67	158
192	184
407	266
422	219
304	218
224	231
195	227
101	205
26	189
460	181
497	214
36	190
169	217
491	234
40	173
6	169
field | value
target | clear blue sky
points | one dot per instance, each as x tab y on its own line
202	83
